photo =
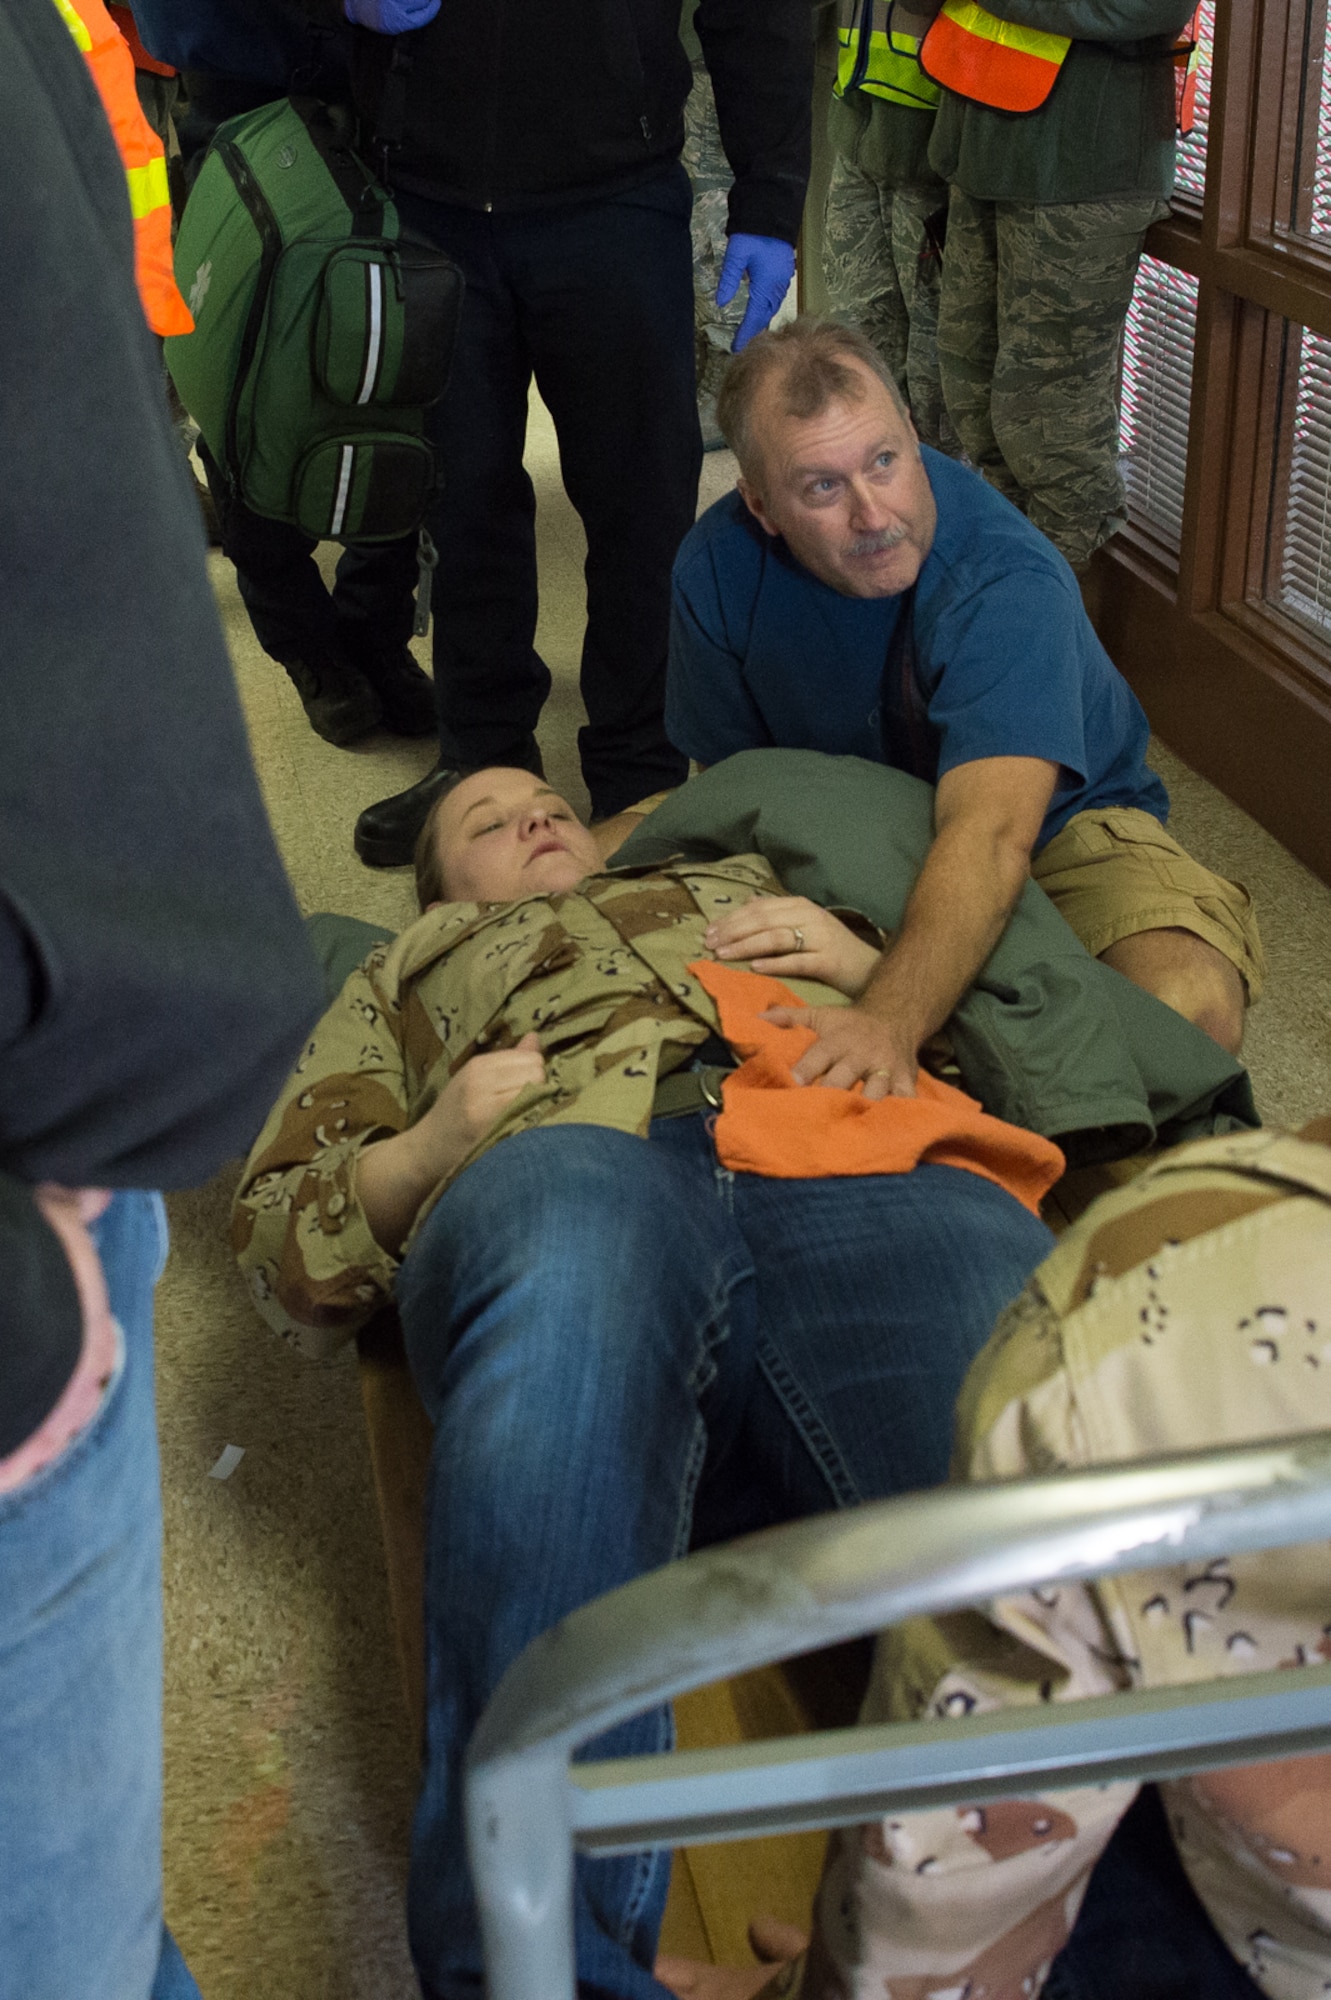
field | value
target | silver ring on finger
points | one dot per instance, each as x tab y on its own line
799	937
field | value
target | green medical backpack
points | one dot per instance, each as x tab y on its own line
323	330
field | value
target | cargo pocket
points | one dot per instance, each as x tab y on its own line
371	487
387	324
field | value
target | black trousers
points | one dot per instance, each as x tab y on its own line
366	616
595	299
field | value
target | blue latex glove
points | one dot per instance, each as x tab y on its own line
390	17
769	265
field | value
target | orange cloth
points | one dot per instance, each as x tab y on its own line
771	1125
108	57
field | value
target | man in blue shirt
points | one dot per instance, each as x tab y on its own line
863	595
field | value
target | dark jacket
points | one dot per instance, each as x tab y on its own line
154	979
278	44
511	104
154	975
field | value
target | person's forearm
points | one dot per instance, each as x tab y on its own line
760	60
393	1177
957	912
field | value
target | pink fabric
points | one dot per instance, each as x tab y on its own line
80	1400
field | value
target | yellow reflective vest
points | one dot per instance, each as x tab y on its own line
880	51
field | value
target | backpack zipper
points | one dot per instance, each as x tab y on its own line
270	237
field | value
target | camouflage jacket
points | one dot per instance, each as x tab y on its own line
600	972
1189	1309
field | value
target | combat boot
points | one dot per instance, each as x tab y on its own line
404	689
339	701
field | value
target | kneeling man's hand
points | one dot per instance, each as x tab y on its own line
852	1044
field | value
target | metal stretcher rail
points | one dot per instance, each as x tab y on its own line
794	1589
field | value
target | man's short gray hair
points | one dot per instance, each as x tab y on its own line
812	359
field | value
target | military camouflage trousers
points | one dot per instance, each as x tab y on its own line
1030	336
710	176
882	276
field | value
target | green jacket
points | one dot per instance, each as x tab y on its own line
1047	1037
1106	128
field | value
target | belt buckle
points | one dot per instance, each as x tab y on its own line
709	1081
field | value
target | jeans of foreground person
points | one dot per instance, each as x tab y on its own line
801	1348
81	1636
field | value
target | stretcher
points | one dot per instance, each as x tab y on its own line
726	1610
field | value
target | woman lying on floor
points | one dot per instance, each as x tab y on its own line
626	1348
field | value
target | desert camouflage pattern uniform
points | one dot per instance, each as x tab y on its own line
1189	1309
881	261
601	973
1030	330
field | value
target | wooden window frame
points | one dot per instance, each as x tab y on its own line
1239	689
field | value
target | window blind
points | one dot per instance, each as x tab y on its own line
1319	223
1157	389
1190	159
1304	582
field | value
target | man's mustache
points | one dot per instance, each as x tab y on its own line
875	545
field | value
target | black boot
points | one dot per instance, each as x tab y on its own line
387	832
341	704
405	691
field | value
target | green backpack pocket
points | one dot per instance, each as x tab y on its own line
386	323
363	487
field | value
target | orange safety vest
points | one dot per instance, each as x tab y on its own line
972	52
112	68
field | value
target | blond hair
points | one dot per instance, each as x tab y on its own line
813	361
426	861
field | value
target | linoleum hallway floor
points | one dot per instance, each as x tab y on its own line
290	1771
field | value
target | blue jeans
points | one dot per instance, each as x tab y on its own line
627	1349
81	1682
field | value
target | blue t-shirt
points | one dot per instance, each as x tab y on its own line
1002	660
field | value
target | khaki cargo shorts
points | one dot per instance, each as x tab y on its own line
1114	871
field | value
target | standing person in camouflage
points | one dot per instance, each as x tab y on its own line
1047	215
882	225
714	325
